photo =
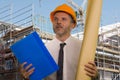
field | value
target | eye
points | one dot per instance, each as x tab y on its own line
64	19
55	19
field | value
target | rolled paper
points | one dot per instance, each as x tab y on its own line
88	48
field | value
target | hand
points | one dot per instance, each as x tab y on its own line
26	72
91	70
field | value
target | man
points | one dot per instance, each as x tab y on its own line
63	19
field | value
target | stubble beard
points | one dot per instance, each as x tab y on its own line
60	33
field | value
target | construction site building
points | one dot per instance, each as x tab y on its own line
13	28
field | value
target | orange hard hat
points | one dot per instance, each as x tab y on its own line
64	8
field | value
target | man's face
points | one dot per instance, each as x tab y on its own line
62	23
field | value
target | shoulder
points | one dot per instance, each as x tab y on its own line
51	43
75	40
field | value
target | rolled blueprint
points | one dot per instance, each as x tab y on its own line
88	49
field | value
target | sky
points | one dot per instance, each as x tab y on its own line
110	8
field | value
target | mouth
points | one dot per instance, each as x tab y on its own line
58	26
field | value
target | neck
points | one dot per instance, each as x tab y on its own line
62	37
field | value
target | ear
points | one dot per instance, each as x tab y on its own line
73	25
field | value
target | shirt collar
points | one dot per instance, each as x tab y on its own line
66	41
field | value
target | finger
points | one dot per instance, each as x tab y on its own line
90	70
31	71
27	67
22	65
92	63
89	66
90	75
27	74
94	67
22	70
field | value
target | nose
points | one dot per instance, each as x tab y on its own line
58	21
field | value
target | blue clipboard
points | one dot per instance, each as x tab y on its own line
31	49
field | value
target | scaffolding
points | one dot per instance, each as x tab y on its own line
14	25
108	54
